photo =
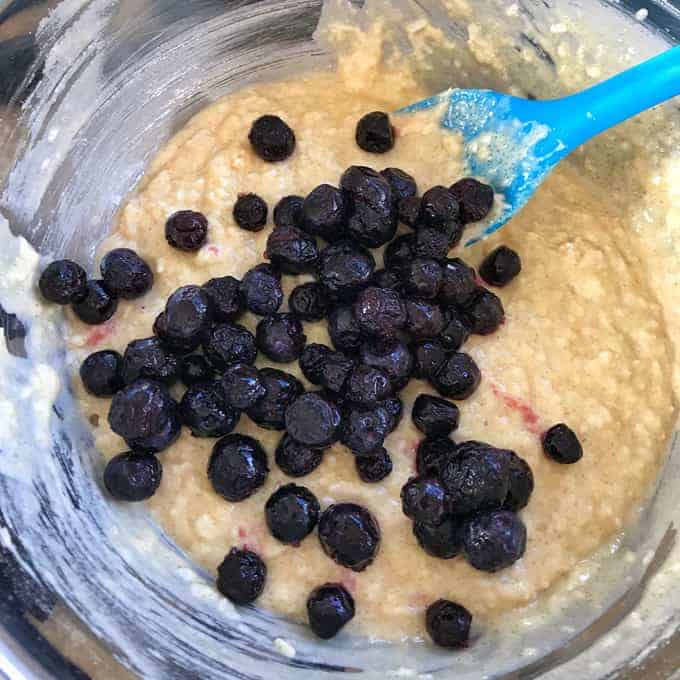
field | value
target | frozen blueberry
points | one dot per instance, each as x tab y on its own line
395	407
63	282
329	608
323	367
281	390
309	301
204	410
187	317
422	278
392	357
292	250
458	378
229	343
521	483
366	186
474	198
455	332
349	535
561	444
431	243
281	337
237	467
387	278
364	431
272	139
500	266
494	540
345	268
374	468
434	454
444	540
438	208
242	386
312	361
448	623
423	499
435	417
324	213
344	330
149	358
295	459
225	297
98	305
186	230
241	576
399	254
428	358
458	283
291	513
380	312
133	477
370	227
375	133
409	211
403	185
366	386
425	319
250	212
313	421
261	291
102	373
145	415
288	212
195	369
484	312
126	274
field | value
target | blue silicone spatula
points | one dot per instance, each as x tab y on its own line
514	143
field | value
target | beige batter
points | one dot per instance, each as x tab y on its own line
585	343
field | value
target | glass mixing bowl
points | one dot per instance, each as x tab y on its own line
89	91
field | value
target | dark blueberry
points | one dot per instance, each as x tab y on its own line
292	250
188	316
484	312
63	282
344	330
226	299
444	540
345	268
312	362
474	198
409	211
288	212
366	386
364	431
561	444
98	305
425	319
374	468
281	337
102	373
186	230
309	301
435	417
455	332
387	278
438	208
237	467
370	227
494	540
327	369
324	213
431	243
448	623
365	186
313	421
295	459
242	386
133	477
329	608
399	254
434	454
521	483
403	185
423	499
149	358
380	312
291	513
392	357
500	266
145	415
250	212
476	478
458	378
241	576
205	412
375	133
125	274
428	358
272	139
281	390
395	407
458	283
195	369
422	278
229	343
261	291
349	535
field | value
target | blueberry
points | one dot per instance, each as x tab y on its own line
309	301
148	358
422	278
126	274
364	431
423	499
435	417
323	367
281	390
392	357
242	386
229	343
345	268
366	386
521	483
444	540
425	319
313	421
187	317
291	513
484	312
292	251
237	467
474	198
428	358
344	330
98	305
225	297
380	312
133	477
375	133
366	186
241	576
433	454
195	369
387	278
295	459
438	208
395	407
324	213
403	185
288	212
455	332
561	444
312	361
448	623
329	608
63	282
431	243
494	540
102	373
250	212
374	468
261	291
458	283
186	230
349	535
500	266
370	227
145	415
409	211
399	254
205	412
272	139
281	337
458	378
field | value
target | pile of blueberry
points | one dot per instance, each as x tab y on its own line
387	326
